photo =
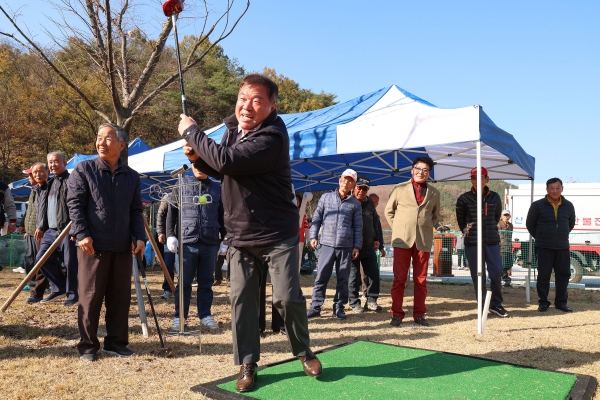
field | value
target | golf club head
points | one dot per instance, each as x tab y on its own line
171	7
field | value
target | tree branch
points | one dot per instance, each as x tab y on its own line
51	64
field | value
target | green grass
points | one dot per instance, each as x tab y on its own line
365	370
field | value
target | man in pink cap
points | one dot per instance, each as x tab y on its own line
340	215
491	211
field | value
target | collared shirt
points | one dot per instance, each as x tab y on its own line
241	134
555	206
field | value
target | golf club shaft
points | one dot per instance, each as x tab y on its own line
183	100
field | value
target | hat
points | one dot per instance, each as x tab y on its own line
505	212
28	171
363	181
483	171
350	173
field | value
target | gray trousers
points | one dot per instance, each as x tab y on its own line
247	264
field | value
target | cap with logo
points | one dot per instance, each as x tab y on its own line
350	173
363	181
483	171
505	212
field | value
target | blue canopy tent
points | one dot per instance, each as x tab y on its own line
380	133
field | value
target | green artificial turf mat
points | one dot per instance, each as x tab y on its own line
366	370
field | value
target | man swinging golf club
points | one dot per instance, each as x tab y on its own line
261	220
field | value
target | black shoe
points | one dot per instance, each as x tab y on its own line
543	307
421	321
564	308
33	299
312	313
1	267
339	313
117	349
396	321
69	303
91	357
499	311
53	296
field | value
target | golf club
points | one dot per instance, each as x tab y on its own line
165	351
172	8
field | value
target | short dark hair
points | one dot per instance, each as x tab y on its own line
424	159
553	180
257	79
374	195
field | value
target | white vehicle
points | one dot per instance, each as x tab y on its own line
21	207
585	236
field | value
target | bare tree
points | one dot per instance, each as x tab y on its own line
126	75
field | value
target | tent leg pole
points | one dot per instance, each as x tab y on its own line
479	244
529	259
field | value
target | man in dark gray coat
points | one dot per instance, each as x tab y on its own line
105	206
261	220
550	220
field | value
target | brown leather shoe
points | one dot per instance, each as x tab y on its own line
312	365
246	377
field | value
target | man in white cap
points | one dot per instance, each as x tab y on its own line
340	215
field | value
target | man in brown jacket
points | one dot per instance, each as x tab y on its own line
412	211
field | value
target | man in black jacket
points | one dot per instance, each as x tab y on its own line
53	218
466	215
261	220
106	209
550	220
367	256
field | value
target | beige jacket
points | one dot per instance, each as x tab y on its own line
410	222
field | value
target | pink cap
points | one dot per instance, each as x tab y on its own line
350	173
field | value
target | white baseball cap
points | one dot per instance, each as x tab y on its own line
350	173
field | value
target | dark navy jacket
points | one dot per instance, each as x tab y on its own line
548	231
105	205
62	211
466	216
200	222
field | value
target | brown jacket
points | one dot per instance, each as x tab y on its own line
412	223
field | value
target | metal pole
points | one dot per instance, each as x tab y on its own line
529	259
180	278
479	240
139	297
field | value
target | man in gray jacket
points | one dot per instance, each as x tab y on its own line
340	215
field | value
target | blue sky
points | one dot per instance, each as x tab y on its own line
532	65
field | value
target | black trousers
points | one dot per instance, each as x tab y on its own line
368	259
560	262
31	249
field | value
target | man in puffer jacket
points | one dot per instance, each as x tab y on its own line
550	220
340	215
466	215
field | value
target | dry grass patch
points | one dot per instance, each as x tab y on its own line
38	355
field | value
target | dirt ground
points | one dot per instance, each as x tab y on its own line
38	355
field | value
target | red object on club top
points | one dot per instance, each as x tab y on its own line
171	7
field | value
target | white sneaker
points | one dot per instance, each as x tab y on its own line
209	322
166	295
175	325
19	270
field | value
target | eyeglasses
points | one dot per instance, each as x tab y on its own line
423	171
364	189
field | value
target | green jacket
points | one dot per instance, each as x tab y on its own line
30	218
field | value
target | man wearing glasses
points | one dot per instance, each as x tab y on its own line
412	211
466	215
